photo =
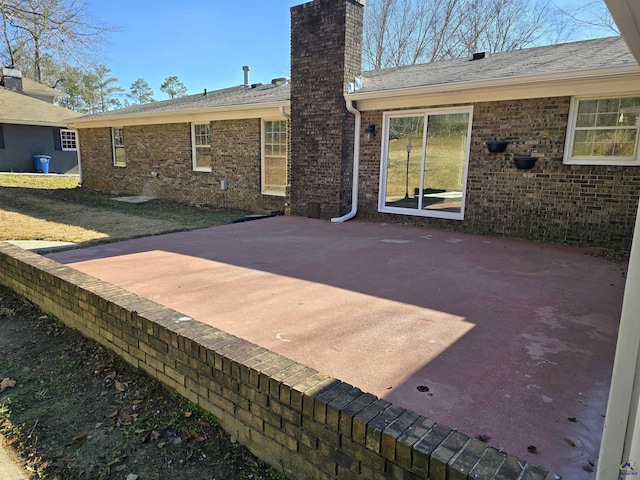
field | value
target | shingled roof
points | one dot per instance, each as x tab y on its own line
19	109
34	88
531	62
567	57
228	97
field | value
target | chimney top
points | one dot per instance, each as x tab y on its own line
11	78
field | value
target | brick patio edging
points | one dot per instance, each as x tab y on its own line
310	424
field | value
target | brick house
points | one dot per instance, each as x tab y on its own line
185	148
30	124
421	154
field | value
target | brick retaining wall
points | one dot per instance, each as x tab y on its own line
309	424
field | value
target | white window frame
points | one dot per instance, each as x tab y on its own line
68	133
263	132
384	156
569	159
194	148
113	147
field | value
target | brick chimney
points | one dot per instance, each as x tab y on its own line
326	54
11	79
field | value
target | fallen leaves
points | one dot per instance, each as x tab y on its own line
7	383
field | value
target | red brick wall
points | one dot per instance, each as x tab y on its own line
570	204
166	149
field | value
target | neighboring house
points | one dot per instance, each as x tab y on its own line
574	107
31	125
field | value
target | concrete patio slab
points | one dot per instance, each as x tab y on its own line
505	339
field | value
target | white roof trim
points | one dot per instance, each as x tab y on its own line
228	112
33	123
524	80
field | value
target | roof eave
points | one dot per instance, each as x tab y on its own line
507	88
35	123
233	111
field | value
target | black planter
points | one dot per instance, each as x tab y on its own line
524	163
497	146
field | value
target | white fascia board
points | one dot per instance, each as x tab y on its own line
618	80
42	93
33	123
235	112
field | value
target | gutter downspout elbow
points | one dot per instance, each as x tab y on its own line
356	166
283	113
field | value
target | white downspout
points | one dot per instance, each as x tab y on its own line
283	113
621	436
356	166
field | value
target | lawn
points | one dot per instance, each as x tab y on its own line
50	207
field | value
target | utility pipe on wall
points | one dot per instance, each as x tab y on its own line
356	166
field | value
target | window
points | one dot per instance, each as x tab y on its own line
68	140
425	154
603	131
119	158
201	147
274	157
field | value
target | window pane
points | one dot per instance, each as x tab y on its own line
586	120
120	156
607	119
445	161
605	143
275	174
404	162
587	106
203	158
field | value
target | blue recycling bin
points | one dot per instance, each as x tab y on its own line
41	163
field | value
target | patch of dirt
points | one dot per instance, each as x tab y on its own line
73	410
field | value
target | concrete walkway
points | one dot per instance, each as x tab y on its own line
505	339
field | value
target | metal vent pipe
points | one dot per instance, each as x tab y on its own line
246	75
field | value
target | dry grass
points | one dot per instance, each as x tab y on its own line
52	207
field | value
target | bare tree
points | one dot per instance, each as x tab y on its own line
404	32
592	15
62	30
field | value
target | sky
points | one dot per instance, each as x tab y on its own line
204	43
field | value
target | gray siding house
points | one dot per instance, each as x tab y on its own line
31	125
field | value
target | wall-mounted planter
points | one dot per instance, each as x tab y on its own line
497	146
524	163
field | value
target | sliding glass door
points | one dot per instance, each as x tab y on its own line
424	162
